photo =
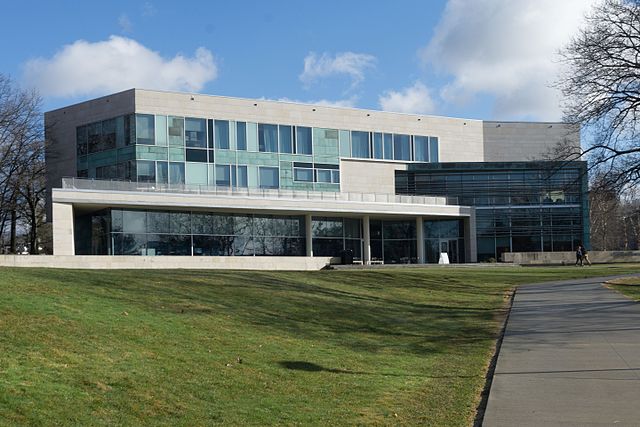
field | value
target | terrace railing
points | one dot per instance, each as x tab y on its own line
262	193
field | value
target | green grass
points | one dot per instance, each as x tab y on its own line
629	286
396	346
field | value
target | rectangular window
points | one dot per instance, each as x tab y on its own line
176	131
223	175
304	175
377	146
109	134
162	173
145	129
388	146
286	143
161	130
196	174
268	177
195	132
241	135
146	171
421	144
303	140
222	134
81	140
433	149
323	175
360	145
267	138
196	155
401	147
94	136
176	173
335	177
242	177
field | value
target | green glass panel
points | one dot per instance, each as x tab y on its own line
252	175
161	130
82	162
176	131
326	187
225	157
232	135
252	136
196	173
345	143
176	154
120	133
212	176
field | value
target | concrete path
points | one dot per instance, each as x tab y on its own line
570	357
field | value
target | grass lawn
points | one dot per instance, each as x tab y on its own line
156	347
629	286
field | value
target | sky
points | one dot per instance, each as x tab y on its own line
477	59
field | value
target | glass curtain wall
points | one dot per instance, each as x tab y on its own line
520	206
150	232
332	235
394	242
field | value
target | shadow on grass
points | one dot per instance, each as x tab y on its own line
363	311
298	365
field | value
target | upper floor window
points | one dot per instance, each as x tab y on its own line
268	138
145	129
303	140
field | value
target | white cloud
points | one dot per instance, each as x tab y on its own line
344	103
125	23
412	99
84	68
506	49
345	63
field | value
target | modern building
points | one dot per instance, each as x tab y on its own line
157	173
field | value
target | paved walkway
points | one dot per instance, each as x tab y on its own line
570	357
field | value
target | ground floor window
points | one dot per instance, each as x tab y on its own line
332	235
151	232
394	241
444	236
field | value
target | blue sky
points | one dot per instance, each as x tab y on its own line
486	59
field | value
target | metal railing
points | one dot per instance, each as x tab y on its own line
262	193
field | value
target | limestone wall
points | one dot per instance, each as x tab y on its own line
165	262
569	258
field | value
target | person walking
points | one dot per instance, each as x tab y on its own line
585	256
579	255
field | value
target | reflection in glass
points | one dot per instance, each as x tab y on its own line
360	145
303	140
267	138
401	147
286	143
222	134
195	133
268	177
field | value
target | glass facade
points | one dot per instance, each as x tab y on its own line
444	236
268	155
393	241
151	232
332	235
520	206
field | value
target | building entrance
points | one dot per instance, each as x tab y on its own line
450	246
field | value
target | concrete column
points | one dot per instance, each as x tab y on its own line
420	239
63	239
366	234
470	242
308	233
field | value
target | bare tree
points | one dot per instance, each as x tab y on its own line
601	89
21	134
